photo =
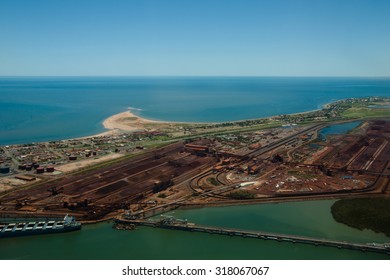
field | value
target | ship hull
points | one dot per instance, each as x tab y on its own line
39	232
28	227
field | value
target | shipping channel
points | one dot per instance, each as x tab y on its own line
101	241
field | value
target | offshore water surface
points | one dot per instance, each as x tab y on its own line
51	108
100	241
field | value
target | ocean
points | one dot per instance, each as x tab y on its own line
36	109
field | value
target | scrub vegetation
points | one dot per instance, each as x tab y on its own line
241	194
364	213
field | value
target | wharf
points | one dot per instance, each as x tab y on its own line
183	225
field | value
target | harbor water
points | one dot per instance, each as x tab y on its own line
101	241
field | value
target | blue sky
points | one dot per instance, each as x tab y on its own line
198	37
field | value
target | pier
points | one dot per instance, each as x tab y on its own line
170	223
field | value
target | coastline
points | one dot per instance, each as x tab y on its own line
128	121
136	123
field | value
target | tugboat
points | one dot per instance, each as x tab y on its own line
31	227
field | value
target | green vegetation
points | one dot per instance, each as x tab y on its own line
162	138
352	108
241	194
162	195
364	213
131	119
307	176
213	181
364	112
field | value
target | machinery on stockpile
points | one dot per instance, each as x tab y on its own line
163	184
54	191
21	202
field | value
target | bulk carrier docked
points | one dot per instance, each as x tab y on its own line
24	228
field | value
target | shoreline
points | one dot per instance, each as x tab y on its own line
128	121
113	123
112	120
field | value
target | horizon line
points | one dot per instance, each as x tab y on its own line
187	76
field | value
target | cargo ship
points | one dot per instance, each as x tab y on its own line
34	227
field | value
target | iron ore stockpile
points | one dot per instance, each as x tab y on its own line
278	164
360	152
304	166
96	193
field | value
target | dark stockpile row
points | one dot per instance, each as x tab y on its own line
98	192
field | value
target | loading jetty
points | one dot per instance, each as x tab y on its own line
168	222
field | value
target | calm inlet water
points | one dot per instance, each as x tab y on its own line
44	108
338	129
100	241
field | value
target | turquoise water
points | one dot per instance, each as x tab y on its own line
46	108
379	106
100	241
338	129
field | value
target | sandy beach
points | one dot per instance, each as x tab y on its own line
127	121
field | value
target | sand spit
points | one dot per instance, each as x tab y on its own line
127	121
